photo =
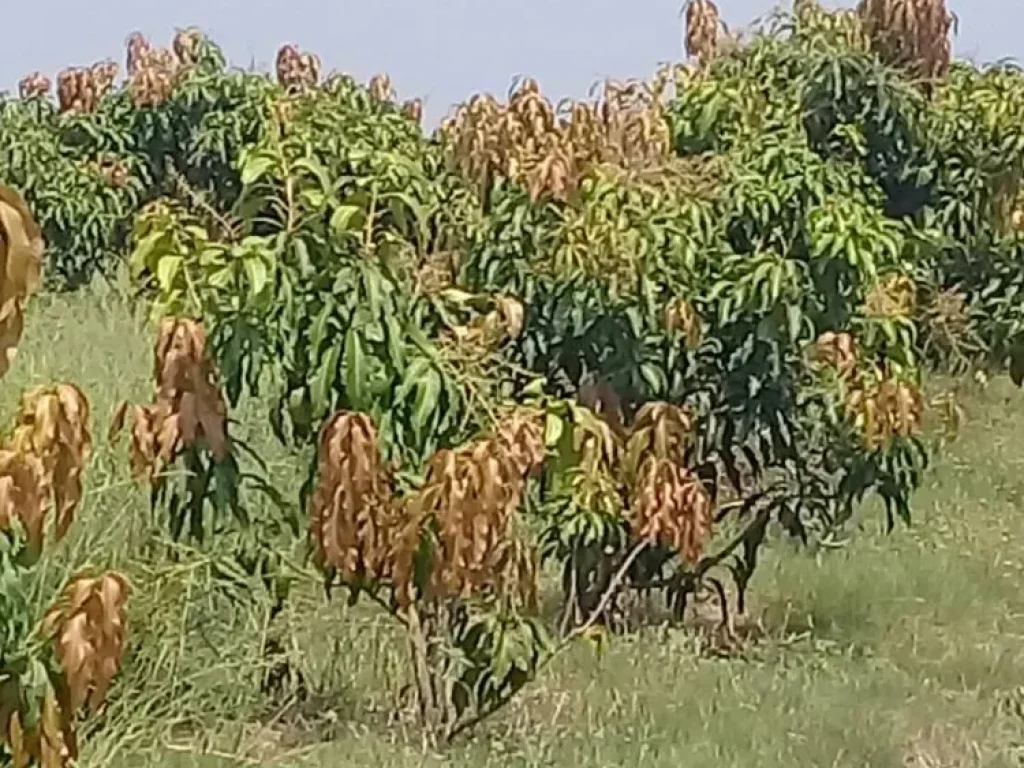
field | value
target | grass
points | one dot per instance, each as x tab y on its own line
894	650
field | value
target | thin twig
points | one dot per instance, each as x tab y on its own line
606	598
230	229
723	605
243	754
570	605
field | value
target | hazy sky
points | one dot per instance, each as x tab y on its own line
441	50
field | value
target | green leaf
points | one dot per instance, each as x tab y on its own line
456	296
347	219
315	169
301	251
411	377
141	257
654	378
318	332
166	270
313	198
427	395
254	167
534	389
418	213
502	659
258	274
794	318
221	278
355	371
324	380
553	428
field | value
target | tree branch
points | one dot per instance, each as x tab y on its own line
606	598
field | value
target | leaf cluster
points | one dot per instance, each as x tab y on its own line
43	684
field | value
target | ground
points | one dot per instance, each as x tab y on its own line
906	649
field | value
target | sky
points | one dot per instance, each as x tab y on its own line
440	50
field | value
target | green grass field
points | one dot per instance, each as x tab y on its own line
894	650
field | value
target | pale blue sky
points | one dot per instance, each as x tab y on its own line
442	50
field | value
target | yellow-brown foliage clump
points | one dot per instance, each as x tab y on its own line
186	46
880	406
51	743
838	350
53	426
472	493
381	88
671	505
465	505
895	296
947	320
296	70
885	409
137	49
24	496
88	625
153	73
188	406
154	79
413	109
354	520
41	465
702	26
80	89
912	34
668	502
21	258
546	149
661	430
680	316
35	84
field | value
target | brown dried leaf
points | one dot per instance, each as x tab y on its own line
80	89
186	46
51	743
297	71
413	109
884	408
911	34
682	317
188	405
838	350
153	73
24	495
354	521
893	297
471	494
21	254
380	88
34	85
702	26
88	624
52	424
661	430
671	505
548	149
